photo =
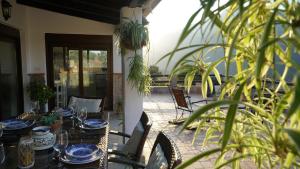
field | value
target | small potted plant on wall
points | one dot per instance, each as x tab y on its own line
39	93
134	36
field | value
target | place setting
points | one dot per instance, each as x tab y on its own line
91	123
75	154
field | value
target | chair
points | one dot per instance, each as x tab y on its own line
92	104
164	155
182	102
134	146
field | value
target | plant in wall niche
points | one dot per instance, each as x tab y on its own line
134	36
39	92
260	47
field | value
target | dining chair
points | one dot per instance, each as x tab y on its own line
132	149
92	104
164	155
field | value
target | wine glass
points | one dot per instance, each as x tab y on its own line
73	110
61	143
1	129
82	115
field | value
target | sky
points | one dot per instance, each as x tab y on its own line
166	23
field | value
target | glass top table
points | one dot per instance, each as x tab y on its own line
44	159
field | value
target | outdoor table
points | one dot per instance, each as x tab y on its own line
44	159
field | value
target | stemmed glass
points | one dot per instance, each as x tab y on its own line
73	110
82	115
61	143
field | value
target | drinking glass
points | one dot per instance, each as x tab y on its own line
61	143
35	107
73	110
2	153
1	129
25	152
82	114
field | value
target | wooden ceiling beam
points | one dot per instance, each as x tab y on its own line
70	9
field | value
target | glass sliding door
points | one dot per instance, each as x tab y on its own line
11	103
86	67
94	72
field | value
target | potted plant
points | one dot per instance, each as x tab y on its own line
40	93
133	36
51	120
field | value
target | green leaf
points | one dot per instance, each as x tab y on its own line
232	46
294	135
237	158
231	115
204	109
296	101
197	157
261	53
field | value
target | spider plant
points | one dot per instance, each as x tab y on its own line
133	36
256	36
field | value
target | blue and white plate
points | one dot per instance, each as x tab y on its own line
81	151
95	123
16	124
65	112
81	154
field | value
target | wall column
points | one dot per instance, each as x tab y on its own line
132	100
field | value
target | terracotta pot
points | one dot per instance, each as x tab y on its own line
55	126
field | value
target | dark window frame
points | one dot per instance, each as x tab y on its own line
13	35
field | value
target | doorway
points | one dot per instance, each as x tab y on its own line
85	61
11	84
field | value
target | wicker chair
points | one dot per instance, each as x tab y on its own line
169	149
146	124
82	99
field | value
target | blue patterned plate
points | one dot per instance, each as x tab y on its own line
16	124
81	154
75	161
65	112
95	123
81	151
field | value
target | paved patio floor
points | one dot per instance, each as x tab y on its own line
160	109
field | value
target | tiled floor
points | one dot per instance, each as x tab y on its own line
161	109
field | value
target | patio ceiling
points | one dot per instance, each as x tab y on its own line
107	11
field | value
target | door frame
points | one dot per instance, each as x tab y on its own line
104	42
13	35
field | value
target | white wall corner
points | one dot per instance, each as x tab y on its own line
132	100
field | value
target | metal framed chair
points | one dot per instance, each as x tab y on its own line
134	146
164	154
183	103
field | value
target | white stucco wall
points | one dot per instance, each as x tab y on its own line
33	23
132	100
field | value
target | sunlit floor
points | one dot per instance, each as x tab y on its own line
160	109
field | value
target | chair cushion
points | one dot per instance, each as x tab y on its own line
157	160
92	105
132	144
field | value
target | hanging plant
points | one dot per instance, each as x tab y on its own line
134	36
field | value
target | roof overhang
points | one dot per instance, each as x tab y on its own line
107	11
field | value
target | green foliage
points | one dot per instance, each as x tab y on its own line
49	119
133	36
154	70
253	35
38	91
